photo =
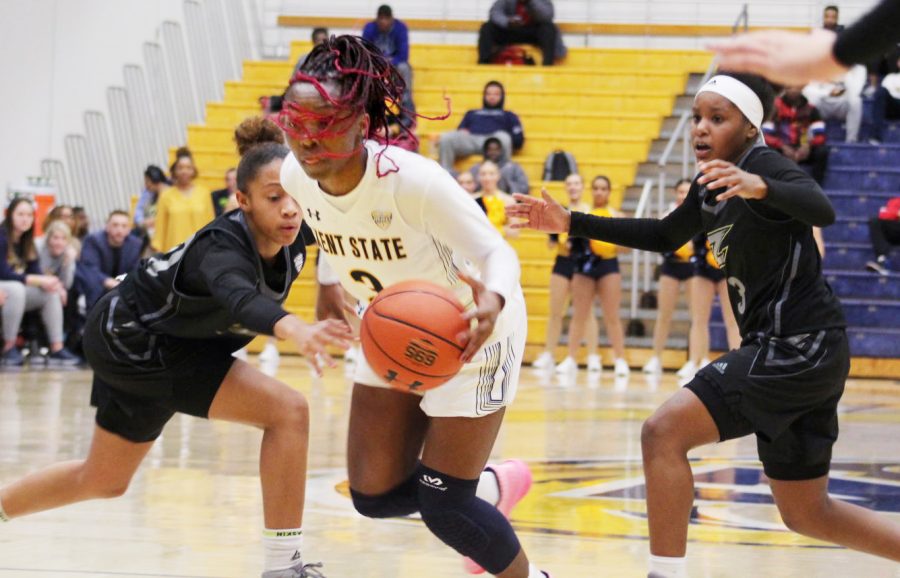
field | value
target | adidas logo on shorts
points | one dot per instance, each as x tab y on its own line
721	366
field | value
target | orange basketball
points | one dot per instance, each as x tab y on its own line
408	335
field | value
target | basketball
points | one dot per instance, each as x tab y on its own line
408	335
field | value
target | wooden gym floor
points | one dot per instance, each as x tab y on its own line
194	508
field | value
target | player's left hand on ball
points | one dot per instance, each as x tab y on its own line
719	174
488	305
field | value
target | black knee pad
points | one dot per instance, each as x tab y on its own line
400	501
464	522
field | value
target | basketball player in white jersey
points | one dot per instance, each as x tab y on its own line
382	215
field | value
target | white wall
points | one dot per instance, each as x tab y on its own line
57	57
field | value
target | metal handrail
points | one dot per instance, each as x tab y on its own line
639	212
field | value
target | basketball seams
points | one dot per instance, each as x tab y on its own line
422	329
455	303
399	363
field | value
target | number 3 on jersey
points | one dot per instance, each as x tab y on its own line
370	281
742	293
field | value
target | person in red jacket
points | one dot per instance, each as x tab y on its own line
884	231
798	132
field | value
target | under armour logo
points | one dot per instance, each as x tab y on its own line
313	215
414	386
390	376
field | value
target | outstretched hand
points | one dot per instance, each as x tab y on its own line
543	214
719	174
784	57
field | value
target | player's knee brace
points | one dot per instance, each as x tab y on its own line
400	501
467	524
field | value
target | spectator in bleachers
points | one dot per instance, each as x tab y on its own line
81	224
887	104
830	16
495	200
107	254
467	181
491	120
220	197
840	99
798	132
598	276
401	128
391	36
145	211
521	22
885	233
57	255
319	35
59	213
512	177
184	208
26	288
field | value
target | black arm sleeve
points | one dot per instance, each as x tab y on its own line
657	235
791	191
231	277
871	36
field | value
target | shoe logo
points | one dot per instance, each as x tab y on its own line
296	555
721	366
433	482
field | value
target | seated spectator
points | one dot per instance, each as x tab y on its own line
467	181
221	197
884	232
59	213
26	289
57	255
521	22
830	17
798	132
480	124
840	100
145	211
319	35
401	128
495	200
887	104
106	255
184	208
391	36
81	223
512	177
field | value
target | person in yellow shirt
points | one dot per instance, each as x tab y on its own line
495	200
568	249
598	276
182	209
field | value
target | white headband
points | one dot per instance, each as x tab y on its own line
739	94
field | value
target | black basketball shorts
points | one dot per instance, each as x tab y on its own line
786	391
142	379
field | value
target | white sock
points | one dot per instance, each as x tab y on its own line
666	567
282	548
488	488
533	572
3	516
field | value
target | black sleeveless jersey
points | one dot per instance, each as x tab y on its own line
771	262
215	285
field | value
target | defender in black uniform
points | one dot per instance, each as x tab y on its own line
784	382
162	343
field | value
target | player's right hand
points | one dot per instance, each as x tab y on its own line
541	214
312	340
